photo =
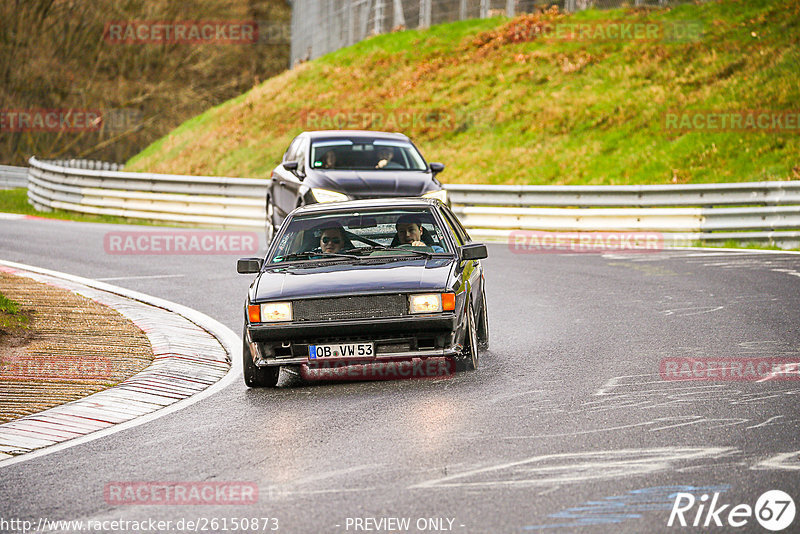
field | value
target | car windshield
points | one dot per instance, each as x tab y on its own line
362	153
357	235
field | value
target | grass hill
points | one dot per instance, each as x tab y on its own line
518	101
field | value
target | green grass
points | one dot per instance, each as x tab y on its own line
12	319
540	111
16	201
733	243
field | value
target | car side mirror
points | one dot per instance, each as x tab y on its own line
249	265
293	166
436	168
473	251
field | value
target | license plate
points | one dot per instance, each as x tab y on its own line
336	351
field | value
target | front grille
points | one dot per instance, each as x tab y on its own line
335	309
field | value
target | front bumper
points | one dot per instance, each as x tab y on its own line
395	338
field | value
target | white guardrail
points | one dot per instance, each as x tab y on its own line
753	211
13	177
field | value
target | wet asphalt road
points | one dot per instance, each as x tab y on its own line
567	426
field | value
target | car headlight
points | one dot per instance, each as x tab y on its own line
325	195
270	312
431	302
440	194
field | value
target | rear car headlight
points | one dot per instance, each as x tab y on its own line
440	194
431	302
325	195
270	312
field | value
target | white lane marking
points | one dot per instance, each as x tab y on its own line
143	277
274	492
513	395
545	492
696	310
580	432
698	419
789	369
11	216
690	390
336	473
768	422
788	460
787	271
758	397
613	383
226	337
554	469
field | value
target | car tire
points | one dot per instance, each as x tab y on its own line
469	356
483	325
269	227
254	376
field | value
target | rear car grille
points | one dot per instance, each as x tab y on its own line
335	309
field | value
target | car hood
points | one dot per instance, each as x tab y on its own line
344	278
362	184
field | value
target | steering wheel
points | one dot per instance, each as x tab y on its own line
363	239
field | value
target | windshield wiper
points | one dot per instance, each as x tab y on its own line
314	255
399	249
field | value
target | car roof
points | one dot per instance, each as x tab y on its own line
318	134
372	203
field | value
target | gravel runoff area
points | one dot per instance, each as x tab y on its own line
93	359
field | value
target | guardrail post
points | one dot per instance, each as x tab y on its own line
425	7
510	8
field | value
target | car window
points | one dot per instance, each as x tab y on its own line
291	152
365	153
301	156
458	231
368	234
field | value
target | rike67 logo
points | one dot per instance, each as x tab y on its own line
774	510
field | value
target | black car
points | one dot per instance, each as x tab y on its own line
365	281
336	165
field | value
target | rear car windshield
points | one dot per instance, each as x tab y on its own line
360	153
370	233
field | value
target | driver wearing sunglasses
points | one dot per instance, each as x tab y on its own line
331	240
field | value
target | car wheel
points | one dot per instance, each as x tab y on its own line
269	228
254	376
483	325
469	357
